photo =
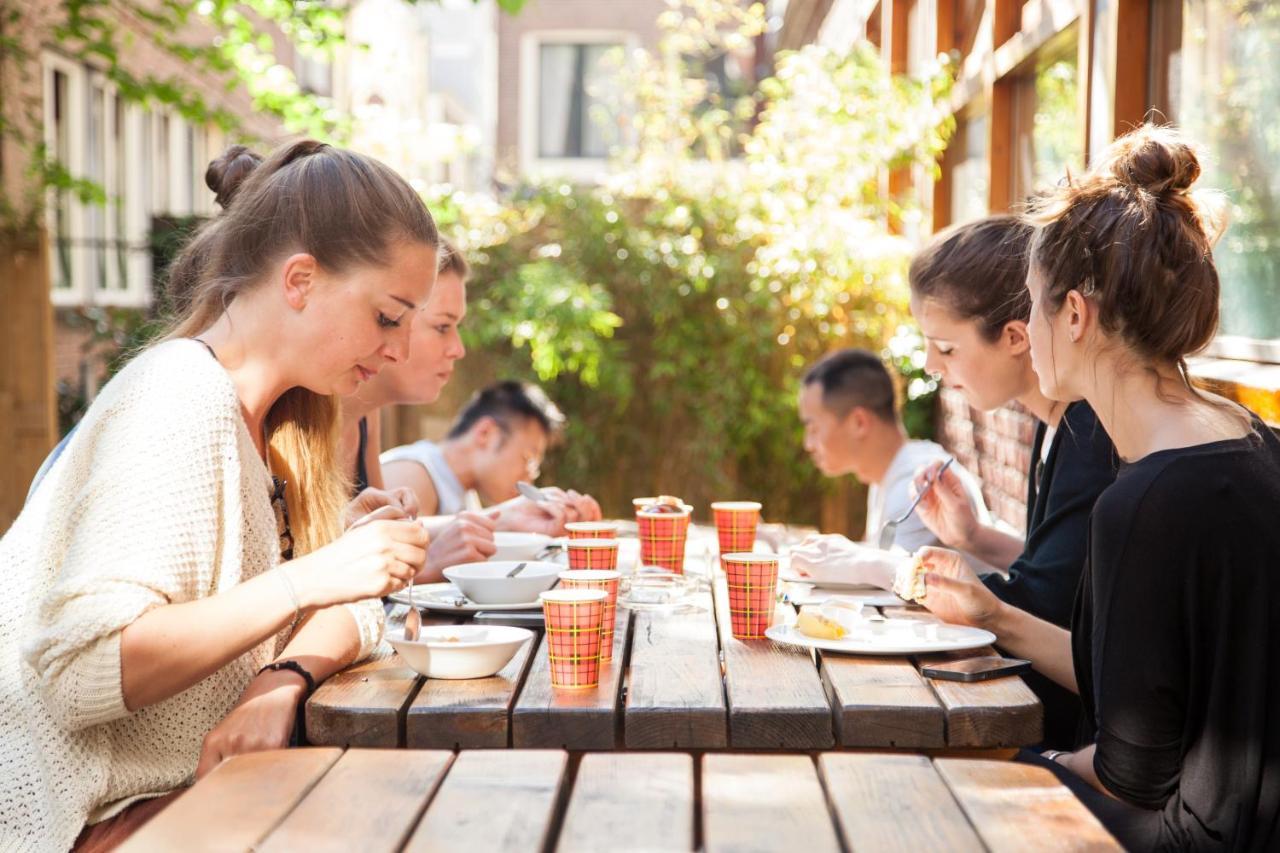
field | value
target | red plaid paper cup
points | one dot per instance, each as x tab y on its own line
592	529
736	525
593	553
752	580
662	538
602	580
575	618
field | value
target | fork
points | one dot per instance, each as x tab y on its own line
890	530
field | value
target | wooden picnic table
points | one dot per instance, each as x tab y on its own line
516	800
680	680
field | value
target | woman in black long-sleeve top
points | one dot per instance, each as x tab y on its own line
969	295
1174	636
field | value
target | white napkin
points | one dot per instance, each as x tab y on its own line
834	559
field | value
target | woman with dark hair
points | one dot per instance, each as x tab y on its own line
181	578
1171	645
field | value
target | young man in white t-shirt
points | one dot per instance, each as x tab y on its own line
852	426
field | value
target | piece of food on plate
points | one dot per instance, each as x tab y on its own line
908	581
814	623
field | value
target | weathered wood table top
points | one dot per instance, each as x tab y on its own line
372	800
680	680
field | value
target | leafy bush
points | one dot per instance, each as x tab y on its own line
672	310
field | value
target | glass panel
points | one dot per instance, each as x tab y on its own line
1047	137
121	254
62	199
571	103
95	162
1230	103
970	178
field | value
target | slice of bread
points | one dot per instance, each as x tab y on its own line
908	582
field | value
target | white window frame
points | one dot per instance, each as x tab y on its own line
75	112
573	168
130	191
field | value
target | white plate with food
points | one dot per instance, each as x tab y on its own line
461	651
445	597
879	635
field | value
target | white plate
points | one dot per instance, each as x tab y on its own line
891	637
820	595
440	597
514	545
785	573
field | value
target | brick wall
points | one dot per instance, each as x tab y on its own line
995	447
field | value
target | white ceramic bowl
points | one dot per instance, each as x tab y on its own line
461	651
487	583
518	546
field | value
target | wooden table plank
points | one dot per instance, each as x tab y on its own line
894	802
572	719
775	695
1018	807
363	705
499	800
675	698
630	802
882	702
238	804
985	714
764	803
988	714
374	795
469	713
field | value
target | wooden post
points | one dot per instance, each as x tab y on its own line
1006	22
28	412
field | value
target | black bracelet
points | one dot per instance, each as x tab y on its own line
292	666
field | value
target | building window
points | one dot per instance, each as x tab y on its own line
970	176
1228	99
571	122
1047	137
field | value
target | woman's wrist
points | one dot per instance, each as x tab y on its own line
285	680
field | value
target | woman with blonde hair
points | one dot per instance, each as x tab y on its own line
180	579
1171	646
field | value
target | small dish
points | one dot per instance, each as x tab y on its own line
513	545
652	589
487	583
461	651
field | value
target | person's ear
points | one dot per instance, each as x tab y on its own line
298	277
1080	315
857	422
485	434
1014	337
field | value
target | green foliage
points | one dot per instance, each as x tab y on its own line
672	310
222	40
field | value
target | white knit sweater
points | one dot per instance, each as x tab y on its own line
159	498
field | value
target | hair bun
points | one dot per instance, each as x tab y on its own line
225	175
1155	159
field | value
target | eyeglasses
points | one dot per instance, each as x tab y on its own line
281	509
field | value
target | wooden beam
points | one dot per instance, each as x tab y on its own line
1133	66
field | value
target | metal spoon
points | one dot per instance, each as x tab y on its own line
517	570
412	619
890	530
531	492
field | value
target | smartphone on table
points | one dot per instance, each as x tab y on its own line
976	669
515	618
